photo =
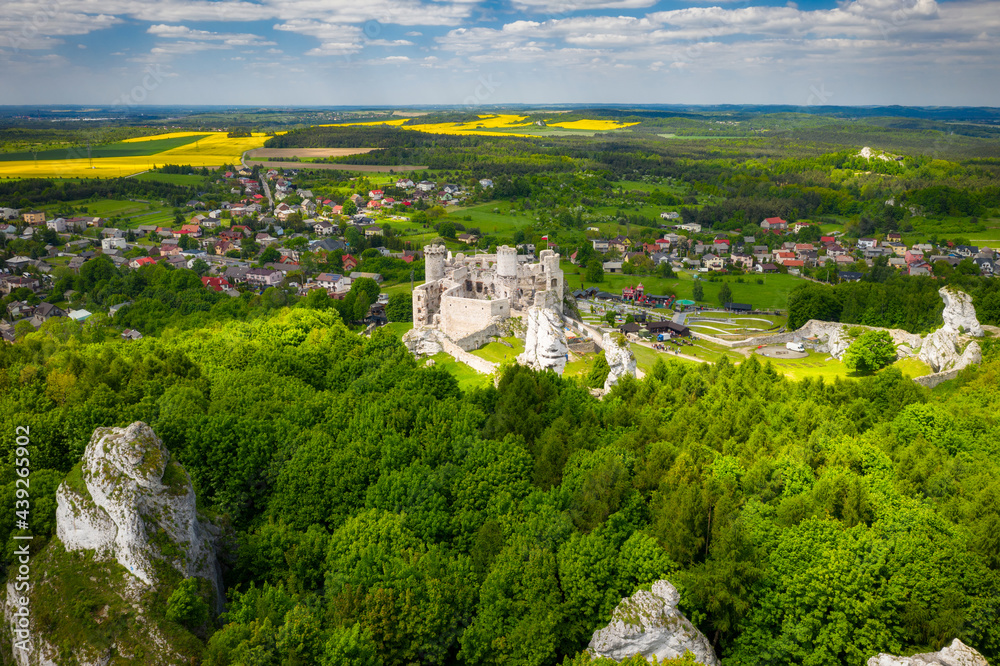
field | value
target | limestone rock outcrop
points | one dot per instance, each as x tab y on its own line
422	341
956	654
126	529
545	344
648	623
959	314
136	505
943	348
620	359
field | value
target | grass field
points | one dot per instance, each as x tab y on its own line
466	376
823	365
498	352
141	154
773	294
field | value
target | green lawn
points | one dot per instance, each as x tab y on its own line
466	376
398	328
498	352
822	365
773	294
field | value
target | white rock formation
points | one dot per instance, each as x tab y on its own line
648	623
956	654
545	344
620	359
127	510
959	314
422	341
131	505
942	349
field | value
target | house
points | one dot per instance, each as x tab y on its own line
328	280
965	250
713	262
264	277
350	263
612	267
405	183
692	227
426	186
921	269
169	250
375	194
33	217
897	263
468	239
216	283
804	247
894	237
913	257
620	243
774	224
372	231
485	182
985	265
671	215
743	261
131	334
139	262
844	260
327	245
236	274
46	311
799	226
867	243
836	251
600	244
849	276
192	229
113	244
20	309
58	225
827	239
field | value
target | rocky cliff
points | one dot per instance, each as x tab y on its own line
620	359
127	532
949	348
545	341
648	623
956	654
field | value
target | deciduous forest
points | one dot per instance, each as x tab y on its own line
376	514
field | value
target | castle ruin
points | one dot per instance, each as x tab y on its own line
468	298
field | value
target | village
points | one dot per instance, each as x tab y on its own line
260	240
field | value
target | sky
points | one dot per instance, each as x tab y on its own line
480	53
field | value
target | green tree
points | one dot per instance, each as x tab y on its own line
186	606
698	291
595	271
446	229
269	255
872	351
725	294
400	307
349	207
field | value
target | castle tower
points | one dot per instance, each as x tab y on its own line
434	256
506	261
554	281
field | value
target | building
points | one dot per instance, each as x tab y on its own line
264	277
34	217
774	224
467	297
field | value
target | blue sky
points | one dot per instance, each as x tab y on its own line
479	53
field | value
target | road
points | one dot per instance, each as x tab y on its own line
267	191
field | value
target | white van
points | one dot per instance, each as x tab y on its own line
795	346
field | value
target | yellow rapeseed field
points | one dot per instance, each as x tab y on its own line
598	125
214	150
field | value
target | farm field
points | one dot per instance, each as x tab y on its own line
264	153
172	178
141	154
501	124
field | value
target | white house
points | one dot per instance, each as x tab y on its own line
113	243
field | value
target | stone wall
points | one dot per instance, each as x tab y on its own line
461	317
586	331
479	338
480	365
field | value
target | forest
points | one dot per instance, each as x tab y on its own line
379	515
